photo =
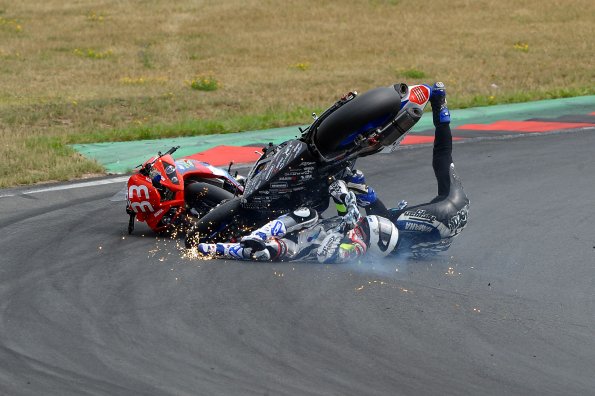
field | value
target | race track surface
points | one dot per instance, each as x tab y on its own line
87	309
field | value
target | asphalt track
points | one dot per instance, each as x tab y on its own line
87	309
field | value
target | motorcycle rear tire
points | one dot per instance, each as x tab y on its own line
213	224
204	196
371	108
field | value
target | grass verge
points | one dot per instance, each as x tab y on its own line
82	72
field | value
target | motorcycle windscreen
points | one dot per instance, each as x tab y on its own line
359	117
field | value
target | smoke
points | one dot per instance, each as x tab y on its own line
402	266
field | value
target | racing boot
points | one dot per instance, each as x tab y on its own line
233	251
440	113
224	250
207	249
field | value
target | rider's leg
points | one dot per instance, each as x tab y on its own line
294	221
442	153
429	228
274	249
226	250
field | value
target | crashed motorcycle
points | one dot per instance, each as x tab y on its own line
298	172
168	194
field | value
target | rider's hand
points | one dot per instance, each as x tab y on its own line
261	255
353	215
338	190
365	194
366	199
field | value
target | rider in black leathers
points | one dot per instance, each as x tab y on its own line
428	228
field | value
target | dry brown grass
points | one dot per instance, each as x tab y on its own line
135	59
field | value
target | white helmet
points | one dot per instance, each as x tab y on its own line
383	235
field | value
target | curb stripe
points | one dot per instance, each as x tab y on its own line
525	126
223	155
122	157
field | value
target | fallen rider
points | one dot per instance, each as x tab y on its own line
303	235
419	230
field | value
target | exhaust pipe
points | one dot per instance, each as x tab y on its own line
400	125
402	89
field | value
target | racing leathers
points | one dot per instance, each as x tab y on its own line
423	229
301	235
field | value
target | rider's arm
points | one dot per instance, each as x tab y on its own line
338	191
366	195
338	248
342	244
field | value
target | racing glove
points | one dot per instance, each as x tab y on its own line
365	194
352	215
338	190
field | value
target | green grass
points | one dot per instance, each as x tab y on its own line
75	72
411	73
518	97
204	83
57	161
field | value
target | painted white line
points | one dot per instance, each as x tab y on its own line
70	186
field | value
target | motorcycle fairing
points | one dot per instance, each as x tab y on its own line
145	201
285	173
188	167
367	123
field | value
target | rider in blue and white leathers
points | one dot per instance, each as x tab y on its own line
302	235
418	230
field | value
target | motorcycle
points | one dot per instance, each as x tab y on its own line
298	172
167	194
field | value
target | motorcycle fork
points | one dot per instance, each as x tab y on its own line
132	215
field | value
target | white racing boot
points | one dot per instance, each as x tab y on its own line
233	251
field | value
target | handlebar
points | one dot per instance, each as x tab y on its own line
170	151
149	165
